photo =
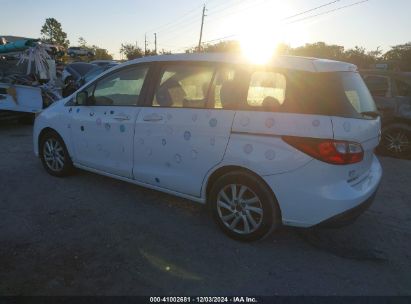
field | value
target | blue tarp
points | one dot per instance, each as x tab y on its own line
17	46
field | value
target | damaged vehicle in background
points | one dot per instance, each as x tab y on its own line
73	72
73	85
104	62
29	83
392	94
76	70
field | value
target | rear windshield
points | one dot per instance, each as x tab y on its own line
334	93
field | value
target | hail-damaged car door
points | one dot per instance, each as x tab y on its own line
103	130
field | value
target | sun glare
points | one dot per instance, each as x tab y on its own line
261	29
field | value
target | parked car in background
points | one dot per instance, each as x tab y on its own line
74	85
73	72
291	142
104	62
392	95
76	70
78	51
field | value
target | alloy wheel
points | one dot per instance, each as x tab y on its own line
397	141
53	154
239	208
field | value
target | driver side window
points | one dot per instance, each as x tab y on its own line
121	88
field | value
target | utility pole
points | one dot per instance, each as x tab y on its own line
145	44
202	25
155	43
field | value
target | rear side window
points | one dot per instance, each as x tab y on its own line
357	92
248	89
267	90
183	86
333	93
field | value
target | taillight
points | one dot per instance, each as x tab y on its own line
337	152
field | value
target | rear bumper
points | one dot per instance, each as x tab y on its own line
318	193
348	217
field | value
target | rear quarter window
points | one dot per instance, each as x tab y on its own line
333	93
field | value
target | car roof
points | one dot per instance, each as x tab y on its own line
308	64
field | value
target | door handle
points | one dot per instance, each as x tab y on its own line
153	117
121	117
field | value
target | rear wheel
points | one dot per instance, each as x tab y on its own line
54	155
396	140
243	206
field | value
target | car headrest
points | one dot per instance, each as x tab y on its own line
229	95
270	103
169	92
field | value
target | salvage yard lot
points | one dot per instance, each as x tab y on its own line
91	235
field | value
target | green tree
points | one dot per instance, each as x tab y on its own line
400	54
319	50
283	49
230	46
52	32
165	52
360	57
82	42
150	52
101	54
131	51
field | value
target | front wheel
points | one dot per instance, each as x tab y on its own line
244	207
54	155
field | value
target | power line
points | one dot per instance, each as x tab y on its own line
328	12
247	7
222	38
171	22
263	2
311	10
186	23
302	19
189	30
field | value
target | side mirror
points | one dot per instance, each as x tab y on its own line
82	98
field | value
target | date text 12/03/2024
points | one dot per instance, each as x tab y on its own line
203	300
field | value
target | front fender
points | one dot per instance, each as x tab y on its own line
57	119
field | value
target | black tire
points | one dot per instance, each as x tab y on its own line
396	140
60	153
269	220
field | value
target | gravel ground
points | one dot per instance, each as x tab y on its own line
91	235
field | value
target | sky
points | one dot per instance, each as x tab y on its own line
108	24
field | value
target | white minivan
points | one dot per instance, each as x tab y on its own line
289	142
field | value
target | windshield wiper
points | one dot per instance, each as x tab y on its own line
373	114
